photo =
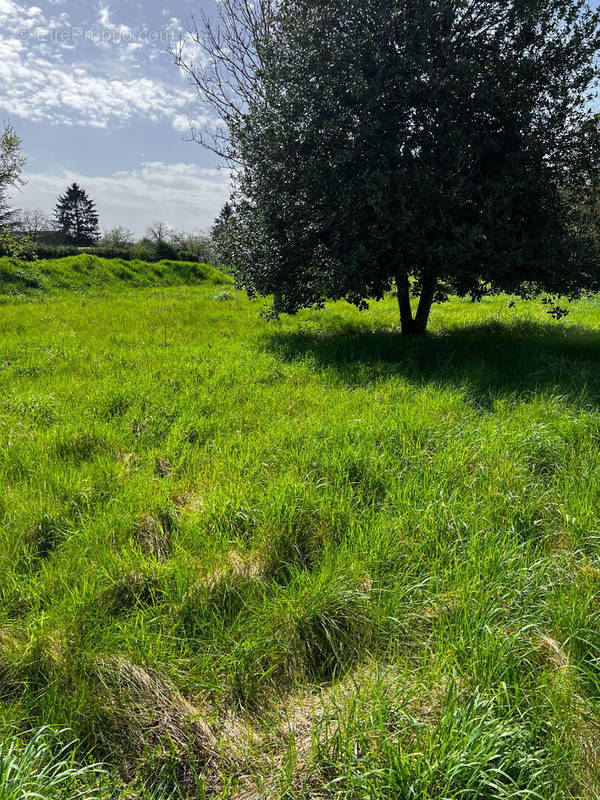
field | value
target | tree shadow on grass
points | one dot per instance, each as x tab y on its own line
490	360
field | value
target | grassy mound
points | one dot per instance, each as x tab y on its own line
304	558
91	273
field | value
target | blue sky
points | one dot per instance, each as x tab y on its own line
96	98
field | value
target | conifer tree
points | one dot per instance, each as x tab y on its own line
76	217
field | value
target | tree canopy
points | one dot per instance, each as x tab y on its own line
76	217
12	162
446	146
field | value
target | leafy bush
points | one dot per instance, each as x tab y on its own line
144	250
17	278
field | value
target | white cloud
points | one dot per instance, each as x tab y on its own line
183	123
14	16
183	195
40	82
38	89
107	24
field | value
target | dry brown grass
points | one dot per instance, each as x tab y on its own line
306	720
235	570
552	652
581	726
188	502
129	462
153	534
9	649
162	468
152	719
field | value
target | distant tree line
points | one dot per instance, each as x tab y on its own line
73	228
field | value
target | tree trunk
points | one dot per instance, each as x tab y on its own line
407	323
415	326
425	303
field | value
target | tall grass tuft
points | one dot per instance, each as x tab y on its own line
42	765
473	751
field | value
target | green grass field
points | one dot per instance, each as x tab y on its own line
296	559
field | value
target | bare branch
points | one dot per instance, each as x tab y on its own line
222	58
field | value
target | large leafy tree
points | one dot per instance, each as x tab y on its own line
76	217
12	162
446	146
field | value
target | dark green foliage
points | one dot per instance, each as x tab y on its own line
154	250
144	250
129	591
18	278
47	535
449	146
221	233
140	251
119	243
76	217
